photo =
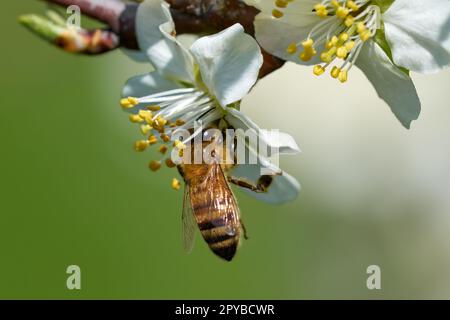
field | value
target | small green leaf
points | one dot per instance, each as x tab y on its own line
380	39
383	4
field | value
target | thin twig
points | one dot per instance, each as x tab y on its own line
190	16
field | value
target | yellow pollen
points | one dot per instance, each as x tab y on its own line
365	35
309	51
318	70
342	52
165	137
140	145
304	57
281	3
343	76
342	12
146	115
321	10
135	118
352	5
179	122
163	149
152	140
154	108
292	48
146	128
170	163
307	44
335	72
179	145
330	44
154	165
349	21
176	185
277	13
129	102
360	27
343	37
350	45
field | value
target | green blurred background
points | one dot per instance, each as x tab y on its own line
73	191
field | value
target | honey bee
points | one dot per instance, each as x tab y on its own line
210	204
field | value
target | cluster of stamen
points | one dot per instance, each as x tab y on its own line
160	115
345	27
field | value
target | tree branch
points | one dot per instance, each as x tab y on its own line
190	16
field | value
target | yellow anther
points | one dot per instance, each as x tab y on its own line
152	140
146	128
154	108
342	12
335	3
318	70
165	137
322	13
281	3
154	165
343	76
365	35
163	149
321	10
179	122
349	21
333	41
160	121
308	44
133	101
146	115
304	57
140	145
352	5
176	185
277	13
179	145
292	48
125	103
135	118
342	52
129	102
350	45
170	163
360	27
335	72
343	37
325	57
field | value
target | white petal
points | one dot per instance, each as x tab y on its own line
135	55
283	188
147	84
155	29
275	36
229	63
279	142
418	32
391	84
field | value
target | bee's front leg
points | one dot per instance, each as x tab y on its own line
262	185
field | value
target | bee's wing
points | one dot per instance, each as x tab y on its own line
218	199
189	225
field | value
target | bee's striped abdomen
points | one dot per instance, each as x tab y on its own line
221	233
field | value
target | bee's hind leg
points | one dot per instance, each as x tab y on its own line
262	185
244	230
